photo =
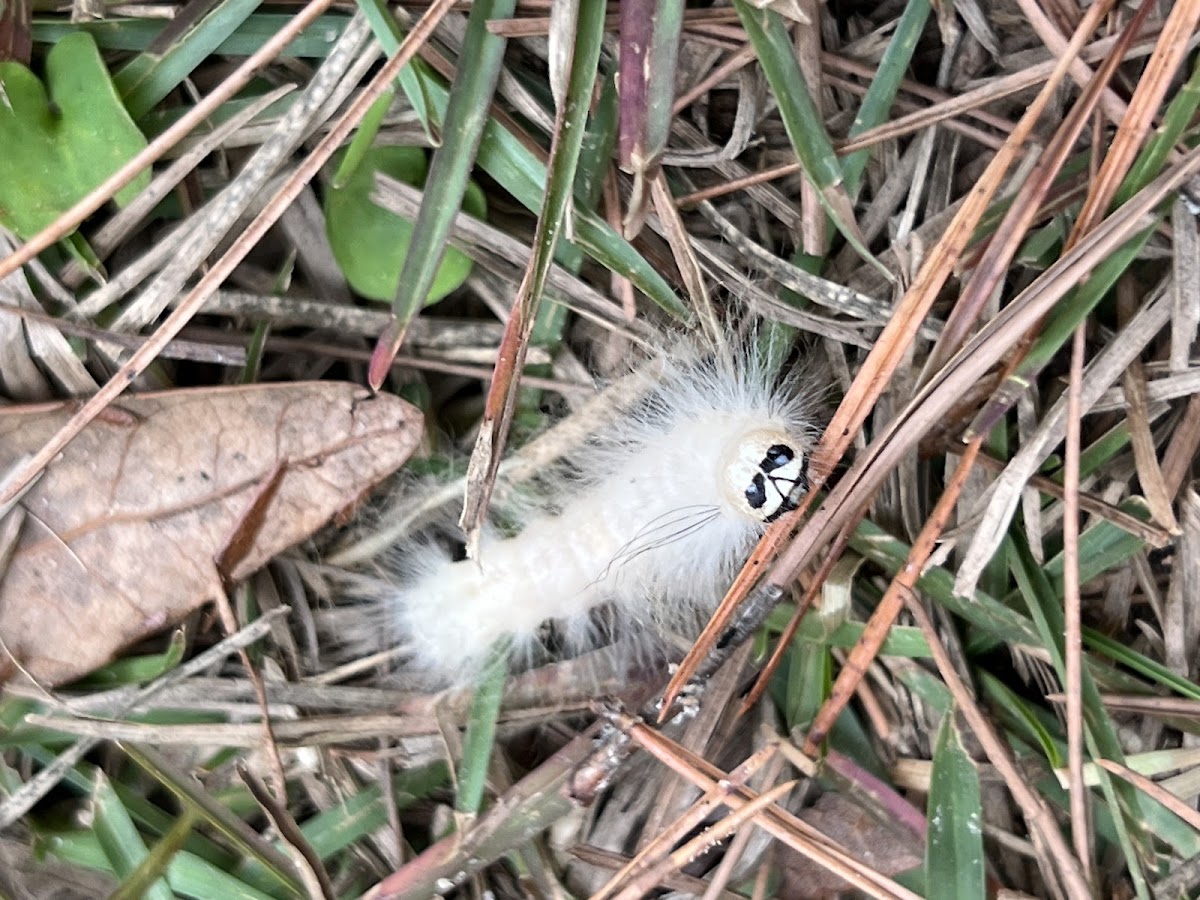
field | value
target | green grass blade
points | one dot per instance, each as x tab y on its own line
884	86
188	875
466	113
1154	671
142	881
809	676
136	35
119	837
598	144
801	119
520	172
1045	605
986	613
332	831
481	731
1102	547
1176	120
1075	308
1024	719
803	122
363	138
902	640
174	54
565	152
209	809
928	687
954	850
415	75
1140	816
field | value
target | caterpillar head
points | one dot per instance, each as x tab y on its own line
765	474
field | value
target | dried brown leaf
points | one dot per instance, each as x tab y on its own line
123	530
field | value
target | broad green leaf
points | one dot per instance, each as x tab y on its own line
61	139
370	244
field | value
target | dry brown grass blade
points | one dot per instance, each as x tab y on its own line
784	642
701	734
1049	34
779	823
992	266
996	89
707	840
943	112
1154	791
718	882
985	350
307	863
1184	445
1134	128
269	747
609	860
1152	534
30	349
1132	132
20	801
887	608
501	401
882	619
1073	639
1186	265
537	798
660	846
766	550
684	253
880	364
1145	454
500	404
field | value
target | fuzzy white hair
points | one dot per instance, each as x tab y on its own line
652	519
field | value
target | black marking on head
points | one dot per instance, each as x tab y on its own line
787	505
777	455
790	491
756	494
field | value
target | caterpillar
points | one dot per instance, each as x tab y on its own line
651	519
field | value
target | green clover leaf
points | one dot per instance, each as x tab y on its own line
60	140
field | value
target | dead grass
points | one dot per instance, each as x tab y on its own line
995	256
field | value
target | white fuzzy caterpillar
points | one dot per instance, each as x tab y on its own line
655	519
